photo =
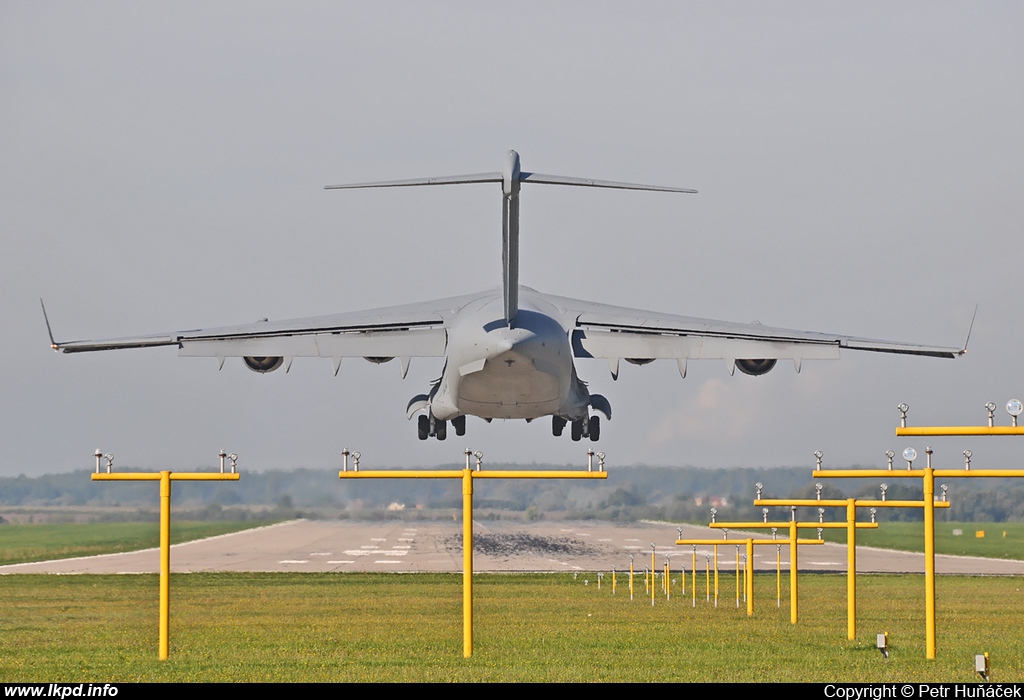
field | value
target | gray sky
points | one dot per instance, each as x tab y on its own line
860	169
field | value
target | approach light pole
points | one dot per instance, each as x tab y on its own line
165	478
468	475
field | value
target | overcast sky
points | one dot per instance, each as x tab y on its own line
860	167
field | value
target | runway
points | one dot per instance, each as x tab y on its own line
500	546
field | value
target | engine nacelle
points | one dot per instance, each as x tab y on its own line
263	364
755	367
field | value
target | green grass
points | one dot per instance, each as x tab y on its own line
529	627
909	537
21	543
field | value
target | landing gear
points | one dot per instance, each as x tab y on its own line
425	427
459	423
557	425
577	430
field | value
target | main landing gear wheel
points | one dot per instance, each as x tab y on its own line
577	430
557	425
459	423
595	428
438	430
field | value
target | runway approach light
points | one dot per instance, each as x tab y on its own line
991	408
108	457
882	642
910	454
355	460
981	665
231	457
1014	407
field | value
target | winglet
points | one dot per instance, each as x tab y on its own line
969	329
53	343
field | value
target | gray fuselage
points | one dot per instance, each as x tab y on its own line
498	370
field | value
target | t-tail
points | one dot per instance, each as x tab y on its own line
511	179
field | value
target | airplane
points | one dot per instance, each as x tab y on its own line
509	353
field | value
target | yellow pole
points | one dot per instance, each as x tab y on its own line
631	577
929	558
707	579
165	478
750	577
737	576
165	564
694	586
467	563
716	575
613	580
652	574
778	575
851	569
793	610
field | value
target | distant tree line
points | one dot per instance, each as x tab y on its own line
678	494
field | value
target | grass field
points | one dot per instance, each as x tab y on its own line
909	537
529	627
19	543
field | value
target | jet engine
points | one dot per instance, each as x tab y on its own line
263	364
755	367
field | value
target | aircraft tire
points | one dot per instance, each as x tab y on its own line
459	423
557	425
440	429
595	428
423	427
577	430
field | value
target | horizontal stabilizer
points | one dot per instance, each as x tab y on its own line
447	180
585	182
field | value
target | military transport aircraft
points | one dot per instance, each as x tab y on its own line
509	352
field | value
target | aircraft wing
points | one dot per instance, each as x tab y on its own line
615	333
414	330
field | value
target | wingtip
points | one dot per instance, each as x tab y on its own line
969	329
53	343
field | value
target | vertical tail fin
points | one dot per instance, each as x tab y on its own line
511	179
510	183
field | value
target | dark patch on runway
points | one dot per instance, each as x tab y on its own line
520	544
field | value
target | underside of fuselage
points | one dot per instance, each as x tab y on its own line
518	370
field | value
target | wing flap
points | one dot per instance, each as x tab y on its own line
615	332
624	344
413	330
426	342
